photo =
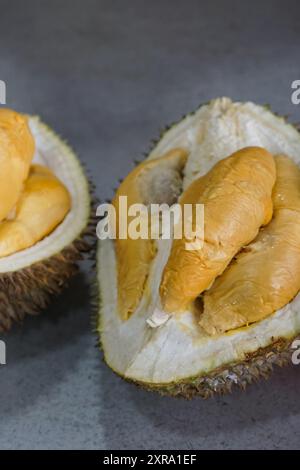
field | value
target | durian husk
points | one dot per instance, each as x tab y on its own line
256	365
29	290
223	380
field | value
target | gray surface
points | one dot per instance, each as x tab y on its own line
107	75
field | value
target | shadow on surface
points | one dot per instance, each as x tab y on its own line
42	351
149	421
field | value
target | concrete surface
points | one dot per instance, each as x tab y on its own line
107	75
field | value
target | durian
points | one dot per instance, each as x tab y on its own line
265	275
45	215
16	152
43	204
155	181
180	358
234	185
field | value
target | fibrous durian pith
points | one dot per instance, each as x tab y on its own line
246	370
224	380
27	288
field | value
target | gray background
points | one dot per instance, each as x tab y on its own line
107	75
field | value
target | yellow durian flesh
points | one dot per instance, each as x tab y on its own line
153	181
43	204
266	275
236	194
16	152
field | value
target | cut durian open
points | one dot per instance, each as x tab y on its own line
29	277
179	358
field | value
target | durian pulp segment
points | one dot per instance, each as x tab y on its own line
42	206
148	183
266	275
53	153
180	349
16	151
243	180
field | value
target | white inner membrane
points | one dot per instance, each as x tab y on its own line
180	349
52	152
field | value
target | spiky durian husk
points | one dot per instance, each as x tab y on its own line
236	375
223	380
29	290
255	366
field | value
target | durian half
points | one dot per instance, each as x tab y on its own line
179	358
30	276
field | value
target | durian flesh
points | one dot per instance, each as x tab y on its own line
51	152
237	198
32	200
265	275
181	351
29	277
157	181
42	205
16	152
